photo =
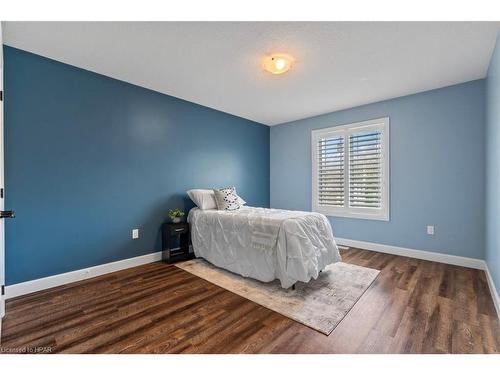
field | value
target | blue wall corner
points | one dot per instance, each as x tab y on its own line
437	170
88	158
493	166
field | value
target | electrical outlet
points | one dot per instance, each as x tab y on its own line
430	229
135	234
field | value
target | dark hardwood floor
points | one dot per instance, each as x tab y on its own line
413	306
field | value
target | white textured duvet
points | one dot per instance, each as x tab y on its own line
264	244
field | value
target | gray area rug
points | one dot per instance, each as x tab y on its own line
320	304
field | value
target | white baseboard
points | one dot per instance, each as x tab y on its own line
412	253
493	290
31	286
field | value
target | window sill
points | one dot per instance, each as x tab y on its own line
352	215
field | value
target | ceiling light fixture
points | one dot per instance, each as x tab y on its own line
278	63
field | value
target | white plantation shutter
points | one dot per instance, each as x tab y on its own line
351	170
365	170
331	171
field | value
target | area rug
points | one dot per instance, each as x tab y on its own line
320	304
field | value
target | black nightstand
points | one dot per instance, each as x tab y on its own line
171	232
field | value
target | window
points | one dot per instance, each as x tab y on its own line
350	166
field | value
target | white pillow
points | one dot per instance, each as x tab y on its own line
227	199
203	198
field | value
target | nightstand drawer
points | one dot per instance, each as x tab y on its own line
179	228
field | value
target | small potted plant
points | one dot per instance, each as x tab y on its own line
175	215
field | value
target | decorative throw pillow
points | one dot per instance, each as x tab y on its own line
227	199
241	201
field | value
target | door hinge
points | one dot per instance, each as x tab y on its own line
3	290
1	192
1	96
7	214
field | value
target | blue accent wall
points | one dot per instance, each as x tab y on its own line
437	170
88	158
493	166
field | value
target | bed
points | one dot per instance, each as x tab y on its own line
264	244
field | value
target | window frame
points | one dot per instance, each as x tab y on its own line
345	131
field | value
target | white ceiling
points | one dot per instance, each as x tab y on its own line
218	64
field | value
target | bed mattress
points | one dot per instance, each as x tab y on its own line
264	244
